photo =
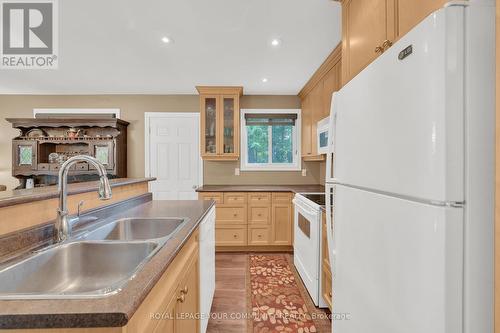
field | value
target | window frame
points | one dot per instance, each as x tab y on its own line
296	142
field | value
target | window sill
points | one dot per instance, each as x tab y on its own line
294	169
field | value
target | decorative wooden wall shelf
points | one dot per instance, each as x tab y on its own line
44	144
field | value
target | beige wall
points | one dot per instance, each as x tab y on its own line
132	110
222	173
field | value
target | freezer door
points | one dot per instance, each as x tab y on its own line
399	124
397	265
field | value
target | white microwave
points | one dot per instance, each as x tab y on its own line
322	135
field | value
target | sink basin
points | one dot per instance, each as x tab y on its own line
136	229
79	269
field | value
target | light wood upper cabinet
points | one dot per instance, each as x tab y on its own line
316	97
369	27
306	126
318	112
220	122
410	12
331	83
366	24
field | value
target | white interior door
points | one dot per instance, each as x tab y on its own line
174	155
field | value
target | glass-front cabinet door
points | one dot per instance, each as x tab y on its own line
230	125
25	155
220	119
209	123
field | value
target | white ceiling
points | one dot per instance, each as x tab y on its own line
114	46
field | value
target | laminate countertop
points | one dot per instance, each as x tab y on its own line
262	188
114	310
16	197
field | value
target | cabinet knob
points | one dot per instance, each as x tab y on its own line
181	298
260	236
330	294
235	236
235	215
387	44
184	290
259	215
379	49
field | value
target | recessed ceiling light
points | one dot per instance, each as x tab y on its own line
166	40
264	79
275	42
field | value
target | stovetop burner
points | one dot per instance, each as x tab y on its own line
315	197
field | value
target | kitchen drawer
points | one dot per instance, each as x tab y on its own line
43	166
215	196
259	198
259	236
81	167
235	198
231	236
326	291
231	215
282	197
259	215
54	167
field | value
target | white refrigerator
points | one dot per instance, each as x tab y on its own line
409	182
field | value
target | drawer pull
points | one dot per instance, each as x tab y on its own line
181	298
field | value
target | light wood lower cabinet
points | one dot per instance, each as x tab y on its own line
259	235
180	313
249	219
231	215
282	219
230	235
326	272
172	305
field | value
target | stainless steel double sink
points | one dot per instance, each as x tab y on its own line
97	262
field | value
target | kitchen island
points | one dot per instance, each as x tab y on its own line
138	305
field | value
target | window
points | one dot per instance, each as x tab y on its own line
270	140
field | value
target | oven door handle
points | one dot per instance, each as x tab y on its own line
301	207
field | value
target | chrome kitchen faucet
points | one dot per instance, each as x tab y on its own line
63	225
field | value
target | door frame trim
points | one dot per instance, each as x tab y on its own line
147	123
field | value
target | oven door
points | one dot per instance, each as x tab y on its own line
307	247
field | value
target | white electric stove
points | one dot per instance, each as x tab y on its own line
307	242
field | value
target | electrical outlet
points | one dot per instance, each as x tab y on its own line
236	171
304	172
